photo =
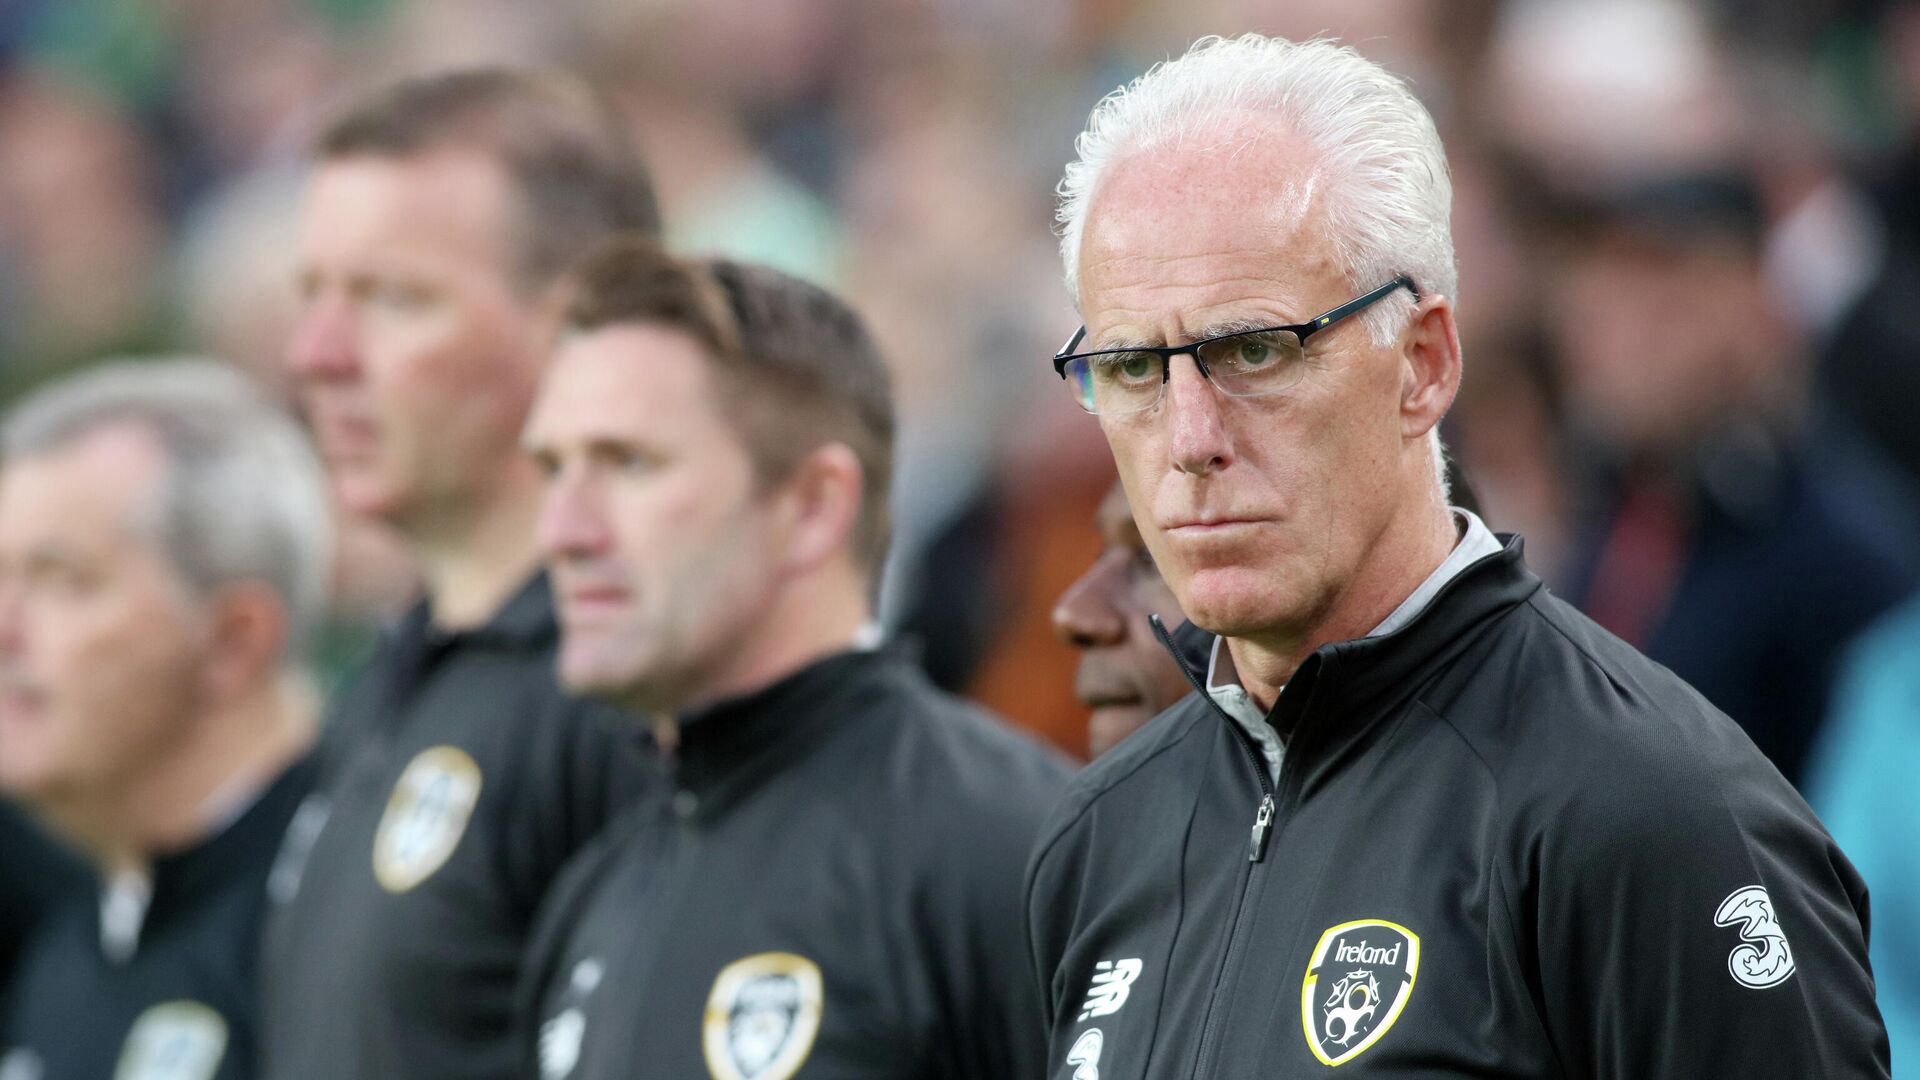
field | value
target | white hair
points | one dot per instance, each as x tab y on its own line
1379	161
244	498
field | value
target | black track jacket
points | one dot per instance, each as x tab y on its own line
1503	844
824	884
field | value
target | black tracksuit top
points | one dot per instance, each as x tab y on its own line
824	883
1502	844
184	1004
457	781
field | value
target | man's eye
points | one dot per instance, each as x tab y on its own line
1249	353
1129	369
629	459
401	296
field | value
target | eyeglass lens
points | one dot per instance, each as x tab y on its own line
1240	365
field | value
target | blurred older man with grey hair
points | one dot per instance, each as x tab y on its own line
163	550
1420	817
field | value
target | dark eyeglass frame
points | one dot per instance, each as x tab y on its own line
1301	331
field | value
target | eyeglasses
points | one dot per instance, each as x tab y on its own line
1246	363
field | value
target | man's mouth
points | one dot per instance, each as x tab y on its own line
584	602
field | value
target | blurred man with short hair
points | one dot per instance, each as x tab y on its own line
163	536
438	217
826	879
1726	526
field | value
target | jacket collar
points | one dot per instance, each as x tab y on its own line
178	881
732	744
1335	704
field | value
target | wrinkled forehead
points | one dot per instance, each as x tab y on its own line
1232	210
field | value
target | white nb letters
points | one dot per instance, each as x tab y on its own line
1112	982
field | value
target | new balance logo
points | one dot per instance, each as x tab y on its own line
1112	982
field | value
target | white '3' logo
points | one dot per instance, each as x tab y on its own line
1086	1054
1765	960
1112	982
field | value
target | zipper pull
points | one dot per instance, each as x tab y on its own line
1261	821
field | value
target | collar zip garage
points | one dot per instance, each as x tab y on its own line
1263	811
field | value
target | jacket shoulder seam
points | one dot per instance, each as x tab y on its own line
1107	784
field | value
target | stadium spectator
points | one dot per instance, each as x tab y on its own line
825	880
1426	812
1861	781
437	221
1125	676
162	556
1712	473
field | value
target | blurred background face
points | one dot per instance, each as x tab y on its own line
414	354
1658	338
1125	676
100	648
1257	510
653	526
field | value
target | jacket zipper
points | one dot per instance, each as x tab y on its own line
1263	812
1256	849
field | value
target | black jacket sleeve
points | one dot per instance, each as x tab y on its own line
1696	921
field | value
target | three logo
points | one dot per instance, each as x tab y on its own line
1085	1055
1764	960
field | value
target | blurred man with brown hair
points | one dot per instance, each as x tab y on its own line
825	881
437	220
163	554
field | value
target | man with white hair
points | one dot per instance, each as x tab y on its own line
1424	818
163	553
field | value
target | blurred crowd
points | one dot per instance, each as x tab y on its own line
1688	234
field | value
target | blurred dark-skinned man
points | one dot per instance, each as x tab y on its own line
1125	676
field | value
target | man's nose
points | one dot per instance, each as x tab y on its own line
571	522
12	625
323	343
1197	440
1088	614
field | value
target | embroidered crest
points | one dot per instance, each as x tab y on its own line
426	816
1358	980
175	1040
762	1017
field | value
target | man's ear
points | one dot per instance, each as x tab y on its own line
1430	374
819	504
247	632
